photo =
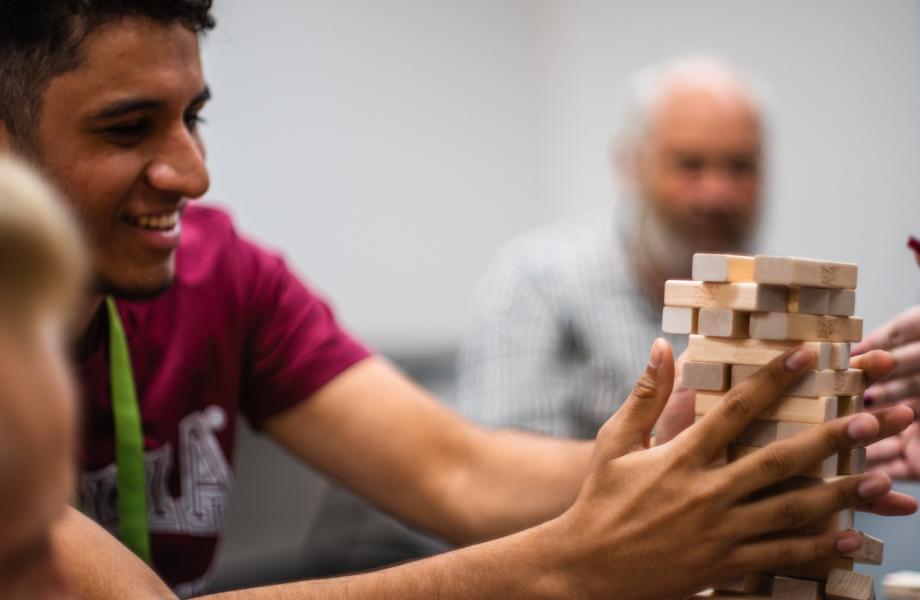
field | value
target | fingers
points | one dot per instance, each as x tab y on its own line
892	504
887	392
876	364
901	330
741	404
906	360
790	456
802	507
630	428
785	553
884	451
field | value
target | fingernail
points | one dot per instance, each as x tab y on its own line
861	428
848	541
654	359
871	487
800	358
868	396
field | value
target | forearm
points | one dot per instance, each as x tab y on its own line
513	480
522	566
96	566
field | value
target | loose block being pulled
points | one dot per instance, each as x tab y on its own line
780	270
784	408
723	268
679	320
870	553
793	326
723	322
849	405
750	352
738	296
845	584
840	355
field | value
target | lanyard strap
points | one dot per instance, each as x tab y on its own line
129	442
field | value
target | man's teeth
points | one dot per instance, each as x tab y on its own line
158	222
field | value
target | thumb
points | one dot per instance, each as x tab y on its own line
631	427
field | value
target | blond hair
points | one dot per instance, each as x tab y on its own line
42	259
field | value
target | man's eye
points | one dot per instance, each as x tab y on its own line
129	131
193	120
689	164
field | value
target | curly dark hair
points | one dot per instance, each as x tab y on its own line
40	40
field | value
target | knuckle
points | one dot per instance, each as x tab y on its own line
790	512
785	556
777	461
738	404
644	388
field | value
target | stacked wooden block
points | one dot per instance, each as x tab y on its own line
741	312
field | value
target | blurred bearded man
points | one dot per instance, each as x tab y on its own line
560	319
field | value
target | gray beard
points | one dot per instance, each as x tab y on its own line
655	246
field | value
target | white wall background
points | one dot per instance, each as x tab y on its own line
389	147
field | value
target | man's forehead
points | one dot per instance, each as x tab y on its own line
132	58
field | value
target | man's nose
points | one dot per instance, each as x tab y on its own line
180	167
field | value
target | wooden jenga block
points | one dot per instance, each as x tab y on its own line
784	408
816	571
825	468
814	383
679	319
738	296
793	326
852	462
849	585
761	433
723	322
849	405
870	553
795	589
750	352
723	268
749	583
778	270
840	355
902	585
841	303
809	300
705	376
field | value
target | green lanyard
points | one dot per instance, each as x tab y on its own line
129	442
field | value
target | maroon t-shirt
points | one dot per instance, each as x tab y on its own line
236	333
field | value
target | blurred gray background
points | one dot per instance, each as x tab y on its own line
390	147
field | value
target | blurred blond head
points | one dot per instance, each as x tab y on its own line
42	266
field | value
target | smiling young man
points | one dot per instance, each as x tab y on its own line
189	324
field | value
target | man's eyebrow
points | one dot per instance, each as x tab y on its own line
128	106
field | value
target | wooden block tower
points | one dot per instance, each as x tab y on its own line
741	312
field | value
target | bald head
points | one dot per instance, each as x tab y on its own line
690	151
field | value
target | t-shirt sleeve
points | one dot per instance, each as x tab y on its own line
293	344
